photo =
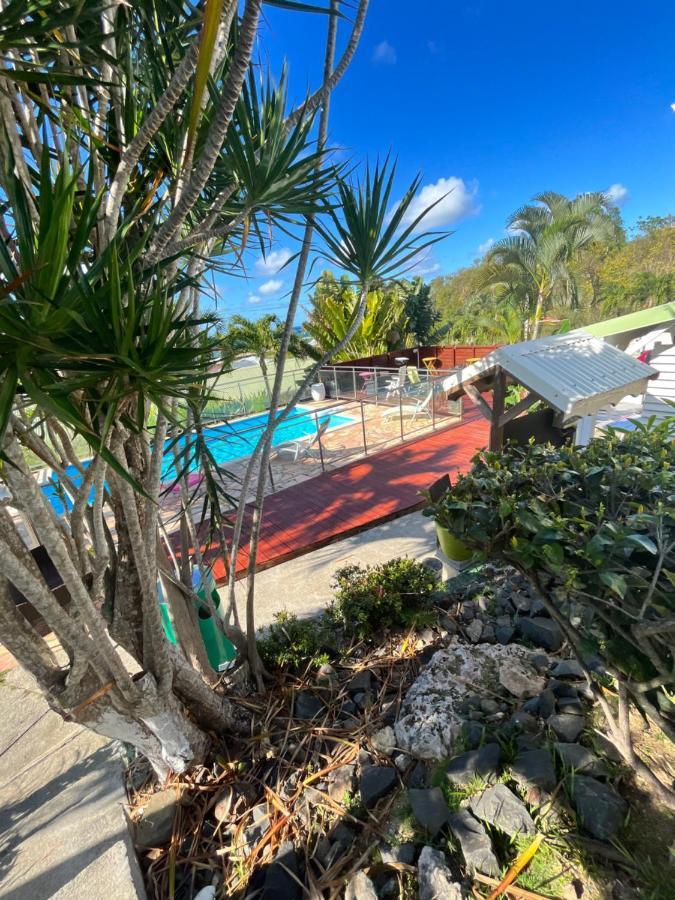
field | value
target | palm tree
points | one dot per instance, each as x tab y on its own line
535	264
262	338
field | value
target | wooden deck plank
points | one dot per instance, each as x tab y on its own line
358	495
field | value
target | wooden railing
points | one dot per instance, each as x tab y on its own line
450	357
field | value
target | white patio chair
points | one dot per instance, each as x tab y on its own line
413	410
293	451
394	385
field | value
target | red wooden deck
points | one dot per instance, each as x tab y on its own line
359	495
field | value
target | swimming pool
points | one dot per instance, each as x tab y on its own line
237	439
227	442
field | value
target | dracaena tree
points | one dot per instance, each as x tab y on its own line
138	153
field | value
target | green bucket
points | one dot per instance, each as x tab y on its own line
220	651
455	549
167	624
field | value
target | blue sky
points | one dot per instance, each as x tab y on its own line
496	101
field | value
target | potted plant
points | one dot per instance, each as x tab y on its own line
448	514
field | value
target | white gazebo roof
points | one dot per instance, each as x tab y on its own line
575	373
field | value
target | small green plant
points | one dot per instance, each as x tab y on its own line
293	643
392	594
547	872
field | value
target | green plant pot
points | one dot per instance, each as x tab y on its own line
452	547
219	649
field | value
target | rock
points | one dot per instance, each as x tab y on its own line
488	635
490	707
531	706
473	734
258	828
430	721
384	740
562	689
540	661
504	633
434	565
526	742
429	808
434	878
576	758
342	834
474	630
307	705
499	807
535	768
341	782
546	703
399	853
418	776
568	668
156	824
361	699
426	637
600	809
375	782
360	888
474	842
447	624
279	879
401	761
521	602
520	679
541	631
483	763
467	611
523	721
566	726
360	682
323	850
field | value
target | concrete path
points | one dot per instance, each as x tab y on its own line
63	830
303	585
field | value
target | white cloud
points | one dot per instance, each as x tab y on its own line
271	286
617	193
253	298
459	200
485	246
270	264
425	264
672	106
384	53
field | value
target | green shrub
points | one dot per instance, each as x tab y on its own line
295	643
389	595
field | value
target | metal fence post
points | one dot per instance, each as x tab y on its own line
433	409
316	422
354	380
363	429
336	394
400	411
377	390
269	469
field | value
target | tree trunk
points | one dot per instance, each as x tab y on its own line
263	369
538	312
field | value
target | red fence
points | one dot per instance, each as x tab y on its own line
449	357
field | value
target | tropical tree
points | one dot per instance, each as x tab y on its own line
138	152
534	265
262	338
330	316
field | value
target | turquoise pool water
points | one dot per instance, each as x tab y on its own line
227	442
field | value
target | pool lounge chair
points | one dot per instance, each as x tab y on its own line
396	383
411	409
292	451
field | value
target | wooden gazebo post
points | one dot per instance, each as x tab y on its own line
498	401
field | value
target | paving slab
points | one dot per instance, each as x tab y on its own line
63	825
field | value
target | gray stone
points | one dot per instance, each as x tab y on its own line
576	758
523	721
155	827
531	706
448	624
279	877
489	706
568	668
484	762
546	703
534	768
566	726
361	699
504	633
398	853
474	630
521	602
540	661
360	682
489	635
520	679
473	734
434	878
600	809
474	842
430	721
360	888
375	782
499	807
341	782
562	689
426	636
541	631
258	828
384	740
571	705
429	808
307	705
418	776
401	761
